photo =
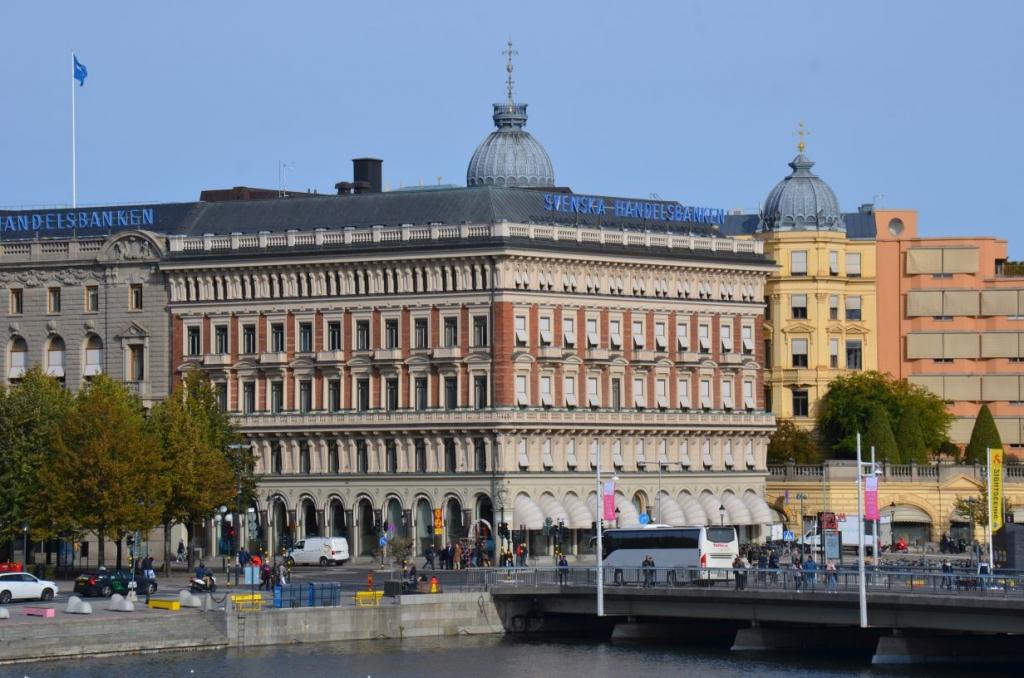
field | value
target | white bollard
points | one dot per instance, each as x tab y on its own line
77	606
4	613
187	599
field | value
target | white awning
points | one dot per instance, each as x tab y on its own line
553	509
667	511
628	516
908	514
526	512
760	513
738	512
580	517
695	514
710	504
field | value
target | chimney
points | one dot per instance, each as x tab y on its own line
366	174
344	187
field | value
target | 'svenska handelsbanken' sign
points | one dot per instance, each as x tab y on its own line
632	209
75	219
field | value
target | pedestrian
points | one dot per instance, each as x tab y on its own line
798	574
773	565
831	580
429	555
810	572
519	555
526	555
457	557
181	551
147	568
265	576
739	572
762	565
563	570
648	569
947	571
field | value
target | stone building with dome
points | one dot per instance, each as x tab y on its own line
820	317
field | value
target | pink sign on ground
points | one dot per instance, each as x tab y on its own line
871	498
609	500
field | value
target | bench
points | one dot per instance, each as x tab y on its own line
174	605
44	612
247	602
368	598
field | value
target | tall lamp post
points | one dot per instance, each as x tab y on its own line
661	467
892	525
24	543
802	497
721	514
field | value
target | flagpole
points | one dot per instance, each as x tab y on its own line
991	559
74	159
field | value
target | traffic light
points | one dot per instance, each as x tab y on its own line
131	540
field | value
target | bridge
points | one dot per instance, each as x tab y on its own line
912	615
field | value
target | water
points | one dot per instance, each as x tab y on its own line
486	656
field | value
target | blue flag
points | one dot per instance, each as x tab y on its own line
80	71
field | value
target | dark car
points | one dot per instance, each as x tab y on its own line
107	582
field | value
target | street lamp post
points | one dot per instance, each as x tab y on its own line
24	543
802	497
661	467
721	514
970	503
892	525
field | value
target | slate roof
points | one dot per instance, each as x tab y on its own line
859	225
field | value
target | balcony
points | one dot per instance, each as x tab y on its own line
550	352
328	357
387	354
278	358
447	353
597	354
138	388
216	360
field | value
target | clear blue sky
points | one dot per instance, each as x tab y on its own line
695	101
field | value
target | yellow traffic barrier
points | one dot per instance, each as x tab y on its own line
164	604
246	597
247	602
368	598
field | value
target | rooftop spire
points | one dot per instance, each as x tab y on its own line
802	132
509	52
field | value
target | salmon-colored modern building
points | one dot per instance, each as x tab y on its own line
951	321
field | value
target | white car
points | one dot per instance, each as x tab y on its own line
23	586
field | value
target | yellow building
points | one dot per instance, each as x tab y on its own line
820	317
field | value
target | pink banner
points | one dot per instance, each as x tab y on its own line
871	498
609	500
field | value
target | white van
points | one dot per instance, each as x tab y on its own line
318	551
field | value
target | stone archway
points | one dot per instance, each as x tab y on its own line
454	529
310	519
367	534
424	524
336	518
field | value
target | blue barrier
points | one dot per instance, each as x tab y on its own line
307	595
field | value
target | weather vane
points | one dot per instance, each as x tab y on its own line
509	82
802	132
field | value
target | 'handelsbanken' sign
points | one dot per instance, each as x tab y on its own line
632	209
77	219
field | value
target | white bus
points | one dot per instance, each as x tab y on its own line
684	550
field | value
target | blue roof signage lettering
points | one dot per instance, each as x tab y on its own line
632	209
77	219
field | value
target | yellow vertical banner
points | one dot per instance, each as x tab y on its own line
995	498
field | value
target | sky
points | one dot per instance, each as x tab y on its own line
909	104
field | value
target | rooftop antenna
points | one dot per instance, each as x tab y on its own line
802	132
282	178
509	52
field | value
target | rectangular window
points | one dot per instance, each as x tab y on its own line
422	334
362	394
479	455
704	337
248	339
305	395
220	339
660	337
17	302
705	394
853	308
136	363
727	401
833	353
639	400
391	455
798	262
593	392
92	299
799	353
569	332
222	397
334	336
334	395
767	354
833	263
135	297
725	333
480	392
616	394
249	397
683	393
545	331
546	397
305	337
53	300
569	391
522	395
683	335
194	346
800	403
480	331
450	464
362	335
391	394
277	338
661	393
593	338
276	396
391	333
451	393
421	393
853	354
833	307
639	340
798	305
362	457
521	336
451	332
420	446
853	264
748	339
748	395
615	334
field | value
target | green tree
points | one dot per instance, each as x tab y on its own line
983	436
789	441
909	439
30	414
879	435
973	508
847	408
105	475
200	448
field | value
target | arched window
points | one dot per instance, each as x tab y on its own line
93	356
55	358
18	361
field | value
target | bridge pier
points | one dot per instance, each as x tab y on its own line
902	648
762	638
